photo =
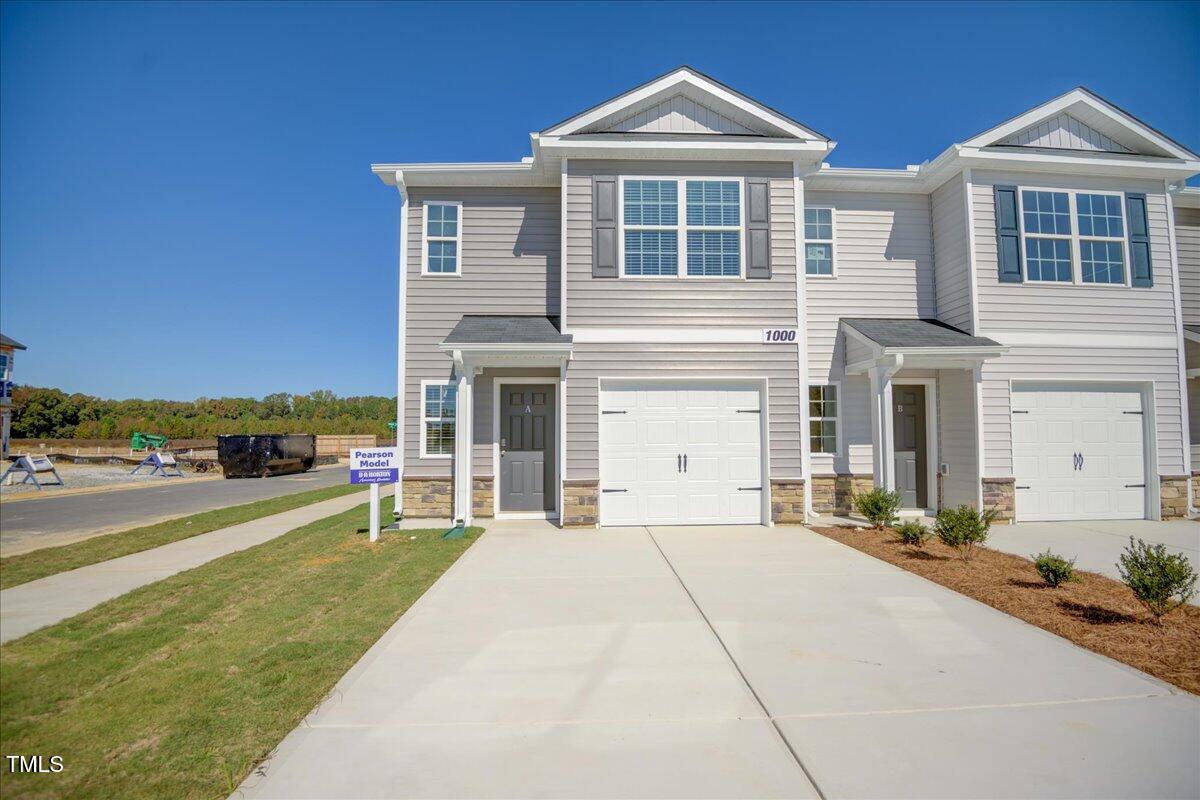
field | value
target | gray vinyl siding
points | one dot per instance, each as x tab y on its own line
884	268
1193	390
1187	241
1075	364
1067	308
957	444
592	362
1054	309
672	302
952	277
510	265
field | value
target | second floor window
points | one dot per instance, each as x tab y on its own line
700	237
442	228
1073	237
818	241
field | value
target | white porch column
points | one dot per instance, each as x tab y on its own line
402	314
463	438
882	440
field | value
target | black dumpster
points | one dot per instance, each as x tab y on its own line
260	455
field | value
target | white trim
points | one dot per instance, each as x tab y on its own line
1153	502
831	241
422	453
764	428
972	271
426	239
798	206
1075	238
1035	338
932	455
674	335
808	418
681	227
1181	353
562	431
559	383
401	342
977	393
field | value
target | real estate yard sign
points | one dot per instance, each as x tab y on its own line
374	465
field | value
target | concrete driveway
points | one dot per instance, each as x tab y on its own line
724	662
1095	546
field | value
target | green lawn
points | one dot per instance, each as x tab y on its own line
179	688
26	567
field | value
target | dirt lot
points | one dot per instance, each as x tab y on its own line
97	446
1094	612
81	476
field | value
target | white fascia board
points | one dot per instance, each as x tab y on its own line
1083	164
1065	102
505	173
673	335
1186	197
739	148
667	83
974	351
469	348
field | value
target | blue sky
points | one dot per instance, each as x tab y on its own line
187	208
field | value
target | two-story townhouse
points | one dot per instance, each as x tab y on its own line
675	312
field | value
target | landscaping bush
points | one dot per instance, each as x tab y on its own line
1053	568
962	528
879	506
1161	581
913	533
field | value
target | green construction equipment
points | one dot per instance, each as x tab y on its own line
148	441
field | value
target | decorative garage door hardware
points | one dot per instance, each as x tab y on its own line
681	462
614	490
614	412
1079	461
749	488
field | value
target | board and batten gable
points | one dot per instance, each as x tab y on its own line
1056	311
673	302
951	251
883	264
1187	243
509	265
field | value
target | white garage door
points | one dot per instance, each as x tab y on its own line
1077	453
680	454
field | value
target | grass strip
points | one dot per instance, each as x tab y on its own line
180	688
1095	611
26	567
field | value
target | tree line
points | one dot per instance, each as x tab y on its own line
45	413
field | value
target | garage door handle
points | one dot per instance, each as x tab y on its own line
607	491
679	462
685	462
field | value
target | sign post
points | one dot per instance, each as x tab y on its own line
373	466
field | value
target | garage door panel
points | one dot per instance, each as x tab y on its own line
661	432
745	469
744	432
703	468
702	432
620	433
662	507
1078	454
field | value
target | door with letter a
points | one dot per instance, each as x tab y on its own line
527	447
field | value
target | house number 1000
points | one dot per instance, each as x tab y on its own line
779	335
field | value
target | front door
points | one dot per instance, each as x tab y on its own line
527	447
908	424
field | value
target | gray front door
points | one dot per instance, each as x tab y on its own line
908	421
527	447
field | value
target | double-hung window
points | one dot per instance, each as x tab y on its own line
442	247
1073	237
681	227
822	418
439	402
818	241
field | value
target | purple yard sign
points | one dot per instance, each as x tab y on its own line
375	465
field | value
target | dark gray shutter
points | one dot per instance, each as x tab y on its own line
758	228
604	226
1139	240
1008	234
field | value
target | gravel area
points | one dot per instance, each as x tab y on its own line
79	476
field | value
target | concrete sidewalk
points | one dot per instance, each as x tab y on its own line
34	605
732	662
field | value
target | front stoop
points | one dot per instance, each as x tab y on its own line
580	504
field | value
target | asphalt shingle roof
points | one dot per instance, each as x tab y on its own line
487	329
916	333
13	343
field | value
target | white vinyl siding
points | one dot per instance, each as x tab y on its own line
1187	240
950	250
957	447
510	265
709	302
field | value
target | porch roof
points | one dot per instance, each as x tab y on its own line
491	330
916	333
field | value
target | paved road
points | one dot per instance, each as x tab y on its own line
28	524
724	662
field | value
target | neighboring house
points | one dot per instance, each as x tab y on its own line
7	347
674	312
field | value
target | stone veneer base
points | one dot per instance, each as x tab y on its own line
428	498
580	504
831	493
787	501
1173	496
1000	495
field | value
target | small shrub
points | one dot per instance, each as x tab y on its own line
962	528
879	506
913	533
1161	581
1054	569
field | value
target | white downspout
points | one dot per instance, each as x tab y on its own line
402	316
802	338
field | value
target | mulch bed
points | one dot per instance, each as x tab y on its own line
1094	612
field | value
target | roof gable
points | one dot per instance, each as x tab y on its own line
1084	121
680	102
